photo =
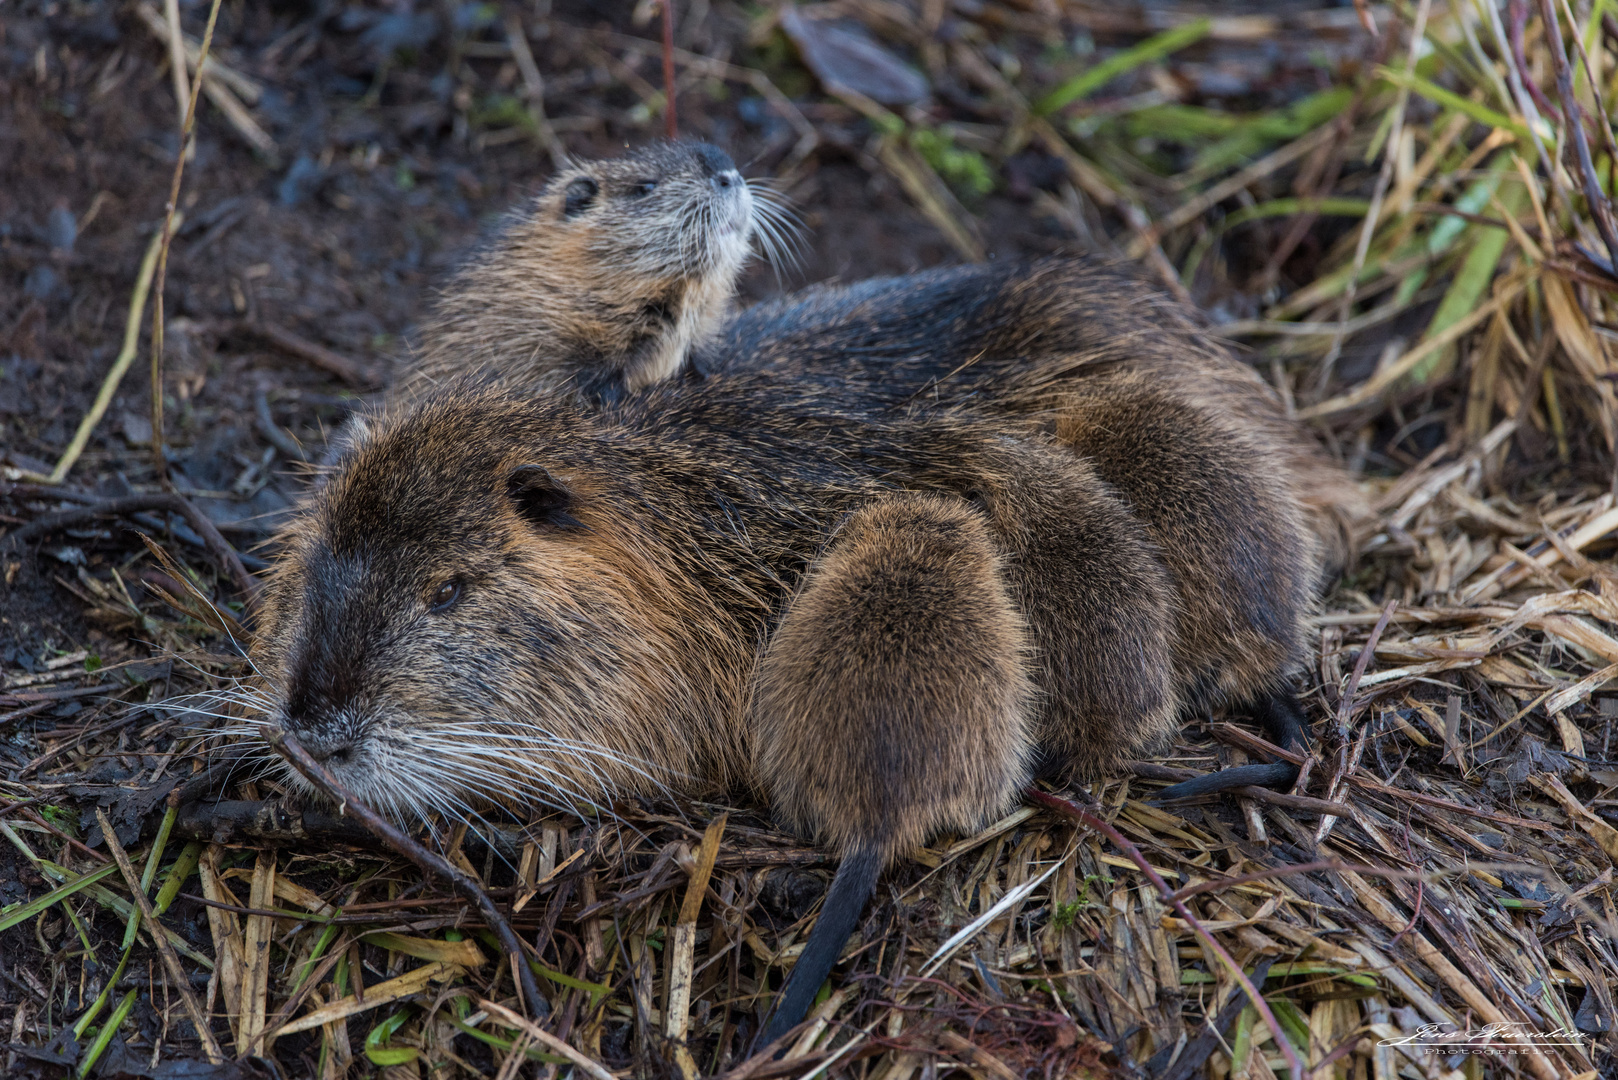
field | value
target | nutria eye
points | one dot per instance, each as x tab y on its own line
578	196
445	597
643	189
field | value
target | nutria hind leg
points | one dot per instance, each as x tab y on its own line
893	701
1283	718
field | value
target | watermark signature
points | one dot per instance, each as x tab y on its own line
1495	1040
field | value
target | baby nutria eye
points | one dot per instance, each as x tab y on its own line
578	196
445	597
643	189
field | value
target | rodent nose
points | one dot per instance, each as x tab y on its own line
329	749
715	161
726	180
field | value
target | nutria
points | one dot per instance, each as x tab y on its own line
519	600
1015	337
1209	468
606	281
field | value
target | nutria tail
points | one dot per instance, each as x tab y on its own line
893	701
1283	718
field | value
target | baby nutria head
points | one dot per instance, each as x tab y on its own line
468	614
608	279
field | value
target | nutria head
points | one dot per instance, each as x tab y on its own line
468	613
608	278
668	210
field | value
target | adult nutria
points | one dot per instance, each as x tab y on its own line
1212	479
605	281
499	599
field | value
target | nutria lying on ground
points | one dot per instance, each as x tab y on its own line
1181	449
745	581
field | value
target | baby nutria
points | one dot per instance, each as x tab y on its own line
509	600
1016	338
606	281
1124	375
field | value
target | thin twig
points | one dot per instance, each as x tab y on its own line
671	121
534	87
1345	706
288	747
590	1067
120	366
177	975
1600	207
173	503
352	372
159	458
1262	1007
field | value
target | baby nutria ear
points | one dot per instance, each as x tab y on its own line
578	196
541	498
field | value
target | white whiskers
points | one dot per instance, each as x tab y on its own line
779	229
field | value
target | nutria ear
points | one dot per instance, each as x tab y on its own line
578	195
541	498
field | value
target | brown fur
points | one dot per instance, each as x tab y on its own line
599	285
1017	338
621	574
1248	514
903	657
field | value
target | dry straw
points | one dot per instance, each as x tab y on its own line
1462	873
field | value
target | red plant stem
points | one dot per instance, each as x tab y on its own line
671	121
1604	122
1346	762
1517	19
1421	891
1262	1007
288	747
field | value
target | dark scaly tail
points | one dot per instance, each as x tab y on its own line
1283	719
839	915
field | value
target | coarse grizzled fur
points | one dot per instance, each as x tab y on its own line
515	601
602	284
955	526
1249	515
1021	338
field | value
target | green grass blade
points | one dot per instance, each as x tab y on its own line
376	1042
104	1036
1153	48
183	868
84	935
149	871
1471	282
327	936
1433	92
90	1014
506	1044
23	912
